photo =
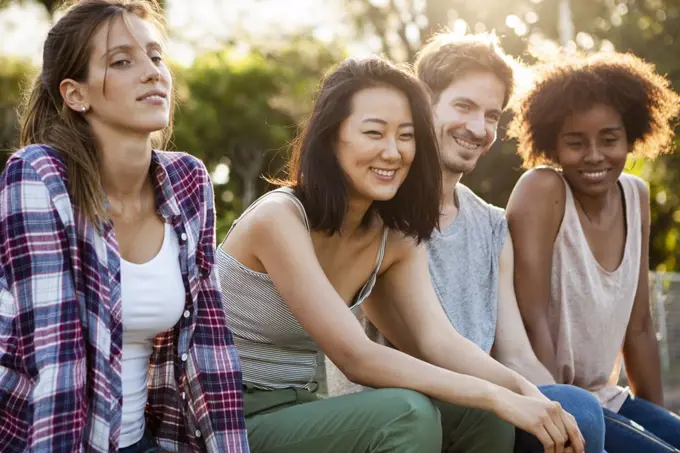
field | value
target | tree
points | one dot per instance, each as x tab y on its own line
239	112
14	75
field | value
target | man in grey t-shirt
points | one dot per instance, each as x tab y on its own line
471	257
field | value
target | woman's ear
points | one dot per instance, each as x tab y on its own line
74	95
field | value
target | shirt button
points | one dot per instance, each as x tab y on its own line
184	357
187	313
183	236
198	433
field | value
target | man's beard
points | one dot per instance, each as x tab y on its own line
458	165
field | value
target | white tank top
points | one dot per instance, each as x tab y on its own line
153	298
590	306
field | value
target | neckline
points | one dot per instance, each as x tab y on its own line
358	297
582	233
449	229
165	244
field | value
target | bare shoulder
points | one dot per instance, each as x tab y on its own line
399	248
540	183
276	215
539	193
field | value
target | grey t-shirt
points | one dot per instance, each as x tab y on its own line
464	265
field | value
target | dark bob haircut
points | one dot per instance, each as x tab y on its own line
628	84
315	173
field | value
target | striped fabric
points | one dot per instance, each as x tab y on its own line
275	350
60	320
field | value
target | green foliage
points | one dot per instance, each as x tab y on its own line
14	75
227	115
240	110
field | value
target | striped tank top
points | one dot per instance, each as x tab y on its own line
274	349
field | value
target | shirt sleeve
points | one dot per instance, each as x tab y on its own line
42	364
219	376
499	227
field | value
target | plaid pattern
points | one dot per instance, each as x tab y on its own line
60	319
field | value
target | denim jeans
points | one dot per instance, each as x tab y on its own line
586	410
641	426
145	445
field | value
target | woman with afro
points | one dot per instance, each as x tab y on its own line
580	228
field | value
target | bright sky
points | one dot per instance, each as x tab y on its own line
201	24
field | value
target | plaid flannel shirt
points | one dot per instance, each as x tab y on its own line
60	319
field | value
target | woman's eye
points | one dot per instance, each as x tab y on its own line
119	63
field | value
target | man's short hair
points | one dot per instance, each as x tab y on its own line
447	57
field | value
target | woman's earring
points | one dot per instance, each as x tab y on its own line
83	109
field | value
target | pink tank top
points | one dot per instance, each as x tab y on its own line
590	306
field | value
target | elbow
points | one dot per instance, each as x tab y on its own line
356	360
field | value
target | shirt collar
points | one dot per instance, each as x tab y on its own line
166	200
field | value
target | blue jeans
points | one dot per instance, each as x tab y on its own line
583	406
641	426
145	445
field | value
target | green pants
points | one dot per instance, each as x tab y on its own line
385	420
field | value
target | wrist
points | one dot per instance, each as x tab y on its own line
526	388
493	397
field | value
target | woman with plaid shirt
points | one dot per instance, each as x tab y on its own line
112	336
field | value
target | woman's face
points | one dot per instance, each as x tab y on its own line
592	148
128	88
376	143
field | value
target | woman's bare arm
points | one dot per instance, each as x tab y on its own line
534	214
512	346
640	348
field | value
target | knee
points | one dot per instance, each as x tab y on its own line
415	406
587	411
415	417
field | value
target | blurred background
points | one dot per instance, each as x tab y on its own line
247	70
